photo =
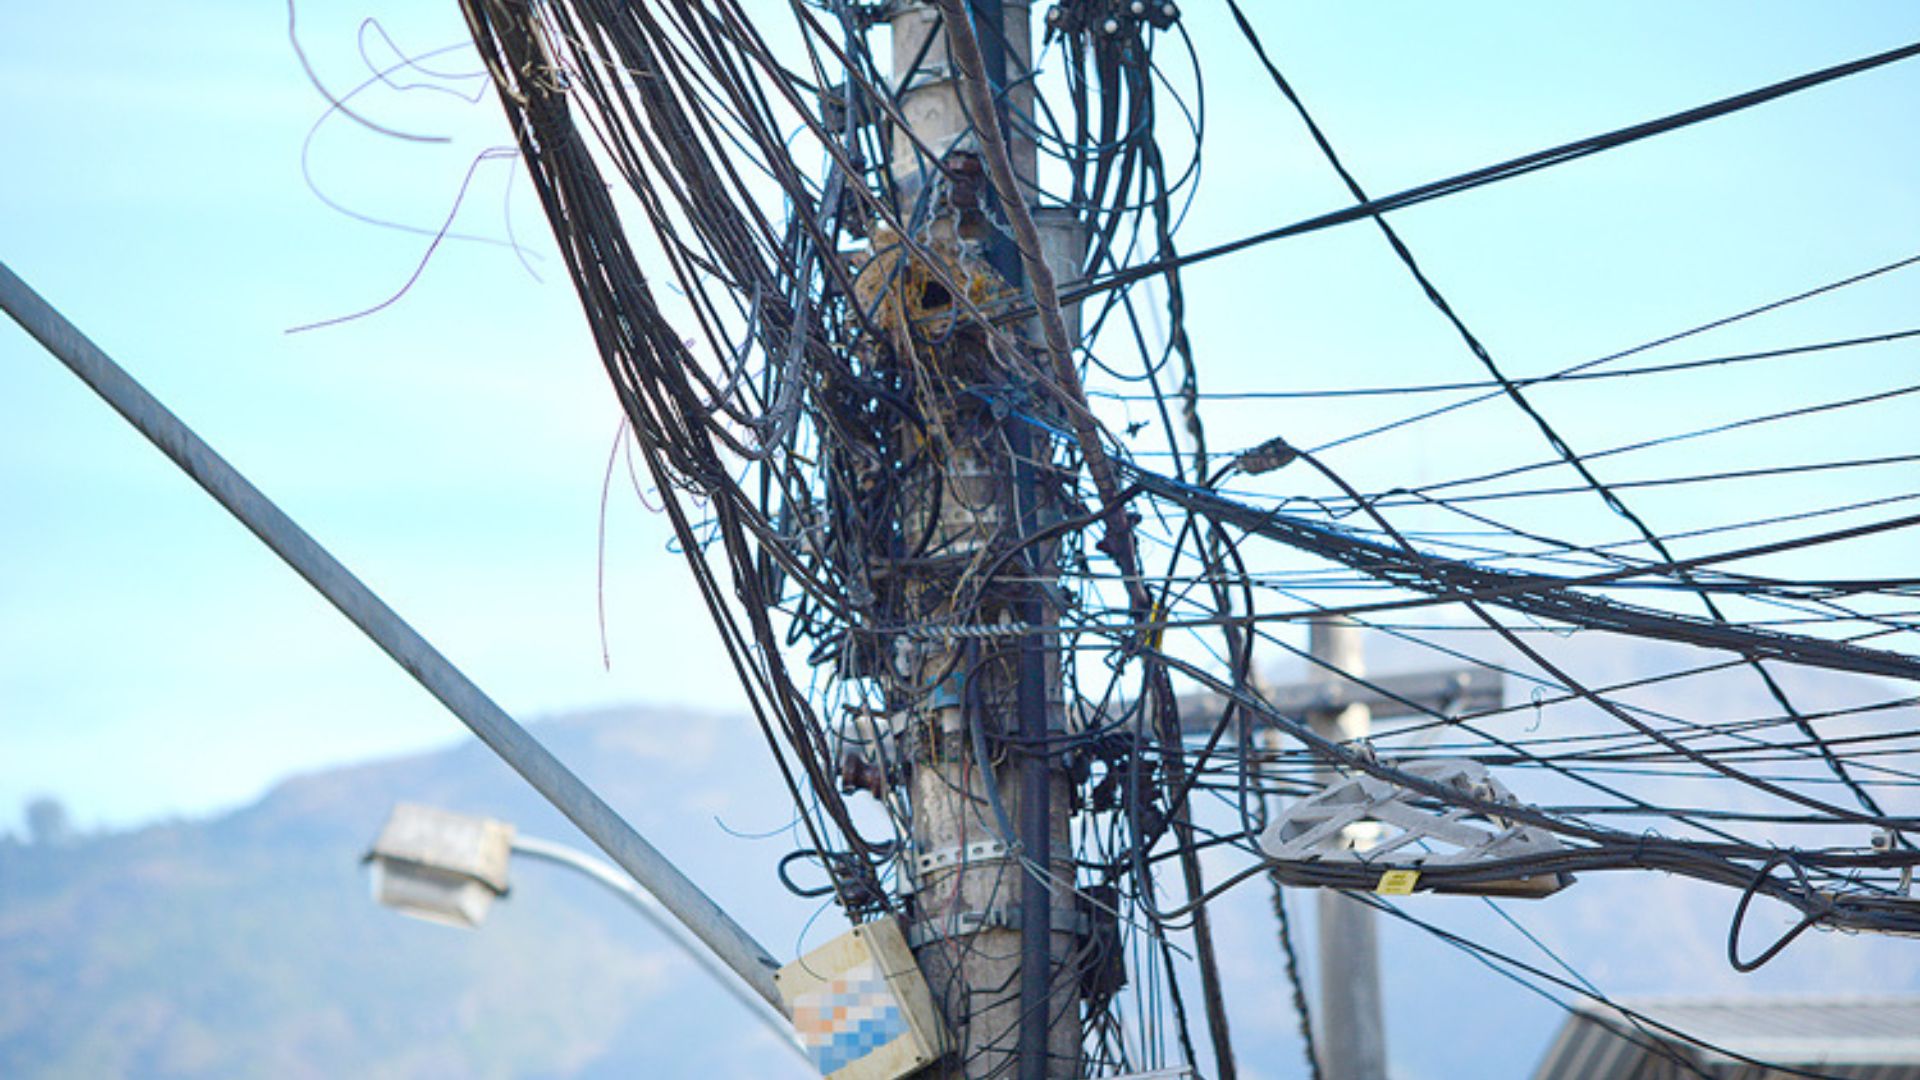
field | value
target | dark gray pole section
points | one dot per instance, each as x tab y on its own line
1030	689
411	651
1036	780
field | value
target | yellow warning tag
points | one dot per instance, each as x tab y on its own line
1397	882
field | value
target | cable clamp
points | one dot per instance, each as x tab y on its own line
1885	840
930	75
967	923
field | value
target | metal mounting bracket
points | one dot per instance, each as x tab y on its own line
977	852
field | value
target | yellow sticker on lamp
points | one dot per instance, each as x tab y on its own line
1397	882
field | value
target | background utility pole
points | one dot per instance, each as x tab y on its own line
1352	1039
994	939
1339	706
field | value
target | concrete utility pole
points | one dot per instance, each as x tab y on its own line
1353	1037
1351	1042
994	937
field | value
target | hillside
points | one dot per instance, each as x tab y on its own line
246	945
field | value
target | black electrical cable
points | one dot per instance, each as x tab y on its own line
1491	174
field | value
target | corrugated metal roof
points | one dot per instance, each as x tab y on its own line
1877	1037
1798	1031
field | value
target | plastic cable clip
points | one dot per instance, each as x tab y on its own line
1397	882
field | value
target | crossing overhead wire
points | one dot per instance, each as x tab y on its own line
779	275
1496	173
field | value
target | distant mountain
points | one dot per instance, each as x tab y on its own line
246	945
1627	932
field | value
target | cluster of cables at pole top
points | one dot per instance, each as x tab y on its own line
748	219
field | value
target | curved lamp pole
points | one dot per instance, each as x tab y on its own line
611	876
446	867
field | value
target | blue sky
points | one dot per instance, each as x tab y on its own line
451	448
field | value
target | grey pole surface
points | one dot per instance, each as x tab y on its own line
643	902
998	985
1352	1038
500	732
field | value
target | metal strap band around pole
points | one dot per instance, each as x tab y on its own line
505	737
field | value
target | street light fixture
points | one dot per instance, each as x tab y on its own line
448	868
440	866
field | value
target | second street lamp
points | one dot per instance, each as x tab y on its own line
445	867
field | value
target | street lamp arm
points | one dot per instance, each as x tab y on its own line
482	715
650	909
